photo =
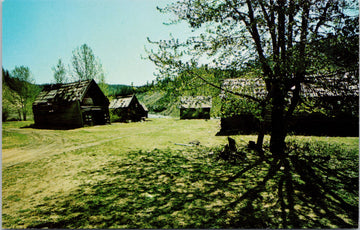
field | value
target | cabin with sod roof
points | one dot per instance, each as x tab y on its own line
195	107
127	108
71	105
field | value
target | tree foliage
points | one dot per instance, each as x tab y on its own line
60	74
10	98
84	63
86	66
24	87
278	34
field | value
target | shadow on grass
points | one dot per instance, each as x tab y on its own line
314	187
49	127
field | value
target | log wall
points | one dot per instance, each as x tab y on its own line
68	115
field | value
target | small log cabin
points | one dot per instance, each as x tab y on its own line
128	108
195	107
72	105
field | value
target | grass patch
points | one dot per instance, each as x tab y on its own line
14	140
134	176
194	189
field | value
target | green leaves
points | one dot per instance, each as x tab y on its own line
22	82
23	74
60	75
86	66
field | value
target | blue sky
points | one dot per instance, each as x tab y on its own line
36	33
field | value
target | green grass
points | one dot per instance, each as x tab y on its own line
134	176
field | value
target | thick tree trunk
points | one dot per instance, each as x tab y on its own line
24	111
278	134
19	113
260	140
262	128
24	115
278	122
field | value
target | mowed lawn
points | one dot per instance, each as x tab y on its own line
131	175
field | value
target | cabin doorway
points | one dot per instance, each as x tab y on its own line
99	117
95	117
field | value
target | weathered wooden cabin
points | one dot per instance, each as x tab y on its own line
128	108
233	121
76	104
145	110
338	93
195	107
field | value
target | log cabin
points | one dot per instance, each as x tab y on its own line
71	105
195	107
337	93
127	108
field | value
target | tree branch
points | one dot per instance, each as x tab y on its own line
281	29
271	24
256	37
322	18
226	90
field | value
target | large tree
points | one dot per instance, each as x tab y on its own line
279	34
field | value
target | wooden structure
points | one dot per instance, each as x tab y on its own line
128	108
195	107
146	110
335	91
74	104
231	122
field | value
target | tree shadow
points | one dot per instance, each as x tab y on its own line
48	127
327	194
162	189
311	192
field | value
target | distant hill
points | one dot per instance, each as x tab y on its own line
119	89
165	103
163	97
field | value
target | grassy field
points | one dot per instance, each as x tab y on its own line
136	175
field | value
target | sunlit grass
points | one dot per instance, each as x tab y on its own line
134	175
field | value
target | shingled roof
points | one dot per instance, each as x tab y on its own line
250	86
144	107
188	102
63	92
121	102
341	84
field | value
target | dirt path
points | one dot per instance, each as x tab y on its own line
46	143
19	155
27	144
